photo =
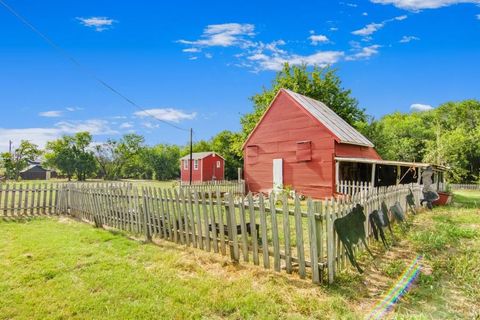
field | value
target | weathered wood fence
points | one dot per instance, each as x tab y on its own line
465	186
276	232
237	187
28	200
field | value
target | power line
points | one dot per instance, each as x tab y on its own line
82	68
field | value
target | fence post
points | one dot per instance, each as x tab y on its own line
330	242
148	235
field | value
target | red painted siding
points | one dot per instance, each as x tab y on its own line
196	174
210	169
207	169
276	136
350	150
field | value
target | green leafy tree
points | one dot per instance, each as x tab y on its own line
19	159
72	155
456	142
322	84
401	136
123	158
163	160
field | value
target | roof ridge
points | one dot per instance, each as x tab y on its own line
345	132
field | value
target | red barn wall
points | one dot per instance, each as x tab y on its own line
210	168
276	137
196	174
350	150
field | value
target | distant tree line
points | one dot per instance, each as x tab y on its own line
448	135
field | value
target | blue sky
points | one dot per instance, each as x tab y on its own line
196	63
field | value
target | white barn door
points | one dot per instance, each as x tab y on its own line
277	174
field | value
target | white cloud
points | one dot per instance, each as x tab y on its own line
407	39
371	28
98	23
318	38
416	5
126	125
51	114
368	29
420	107
208	55
193	58
191	50
365	14
333	29
478	16
223	35
40	136
276	62
364	53
166	114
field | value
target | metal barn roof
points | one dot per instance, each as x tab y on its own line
200	155
339	127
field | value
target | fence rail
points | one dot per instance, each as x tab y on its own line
465	186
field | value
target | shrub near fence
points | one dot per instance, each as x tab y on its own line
274	232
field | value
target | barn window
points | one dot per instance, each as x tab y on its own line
195	164
218	164
185	164
304	151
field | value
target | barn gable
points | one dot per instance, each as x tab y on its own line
339	128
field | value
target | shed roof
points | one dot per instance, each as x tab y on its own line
30	167
200	155
339	127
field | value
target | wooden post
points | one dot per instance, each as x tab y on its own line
148	235
330	242
337	175
372	180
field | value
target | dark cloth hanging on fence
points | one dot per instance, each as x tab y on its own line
378	220
411	201
398	212
351	230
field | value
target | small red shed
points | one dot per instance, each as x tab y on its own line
295	144
206	166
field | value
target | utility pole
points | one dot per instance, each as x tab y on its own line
10	146
191	154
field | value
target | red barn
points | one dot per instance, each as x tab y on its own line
206	166
296	143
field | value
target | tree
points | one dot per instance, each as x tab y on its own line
72	155
322	84
456	142
15	162
131	149
163	160
401	136
123	157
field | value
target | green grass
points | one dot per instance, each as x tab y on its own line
62	269
52	269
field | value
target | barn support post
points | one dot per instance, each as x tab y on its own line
399	172
372	180
337	175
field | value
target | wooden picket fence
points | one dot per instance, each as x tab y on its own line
465	186
237	187
17	200
276	232
352	187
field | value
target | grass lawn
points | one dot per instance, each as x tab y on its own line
60	269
